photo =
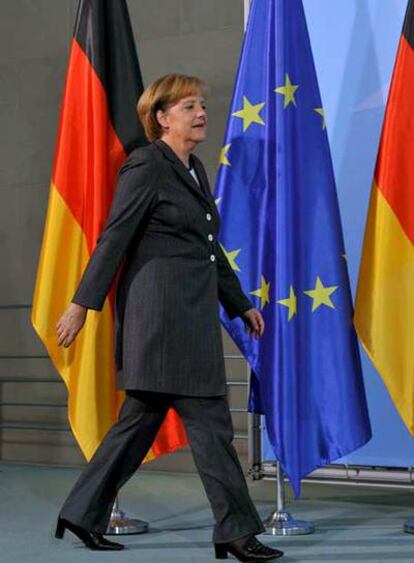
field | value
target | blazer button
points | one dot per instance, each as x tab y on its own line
210	237
208	217
212	258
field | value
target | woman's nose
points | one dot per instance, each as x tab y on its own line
202	112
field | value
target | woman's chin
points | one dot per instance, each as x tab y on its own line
199	135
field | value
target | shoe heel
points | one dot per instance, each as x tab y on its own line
60	529
220	551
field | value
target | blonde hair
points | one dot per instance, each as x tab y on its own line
167	90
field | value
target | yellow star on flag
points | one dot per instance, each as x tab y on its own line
249	114
217	201
321	295
321	112
223	155
288	90
290	303
231	257
262	292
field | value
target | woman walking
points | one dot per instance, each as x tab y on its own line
163	226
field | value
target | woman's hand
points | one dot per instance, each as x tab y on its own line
253	322
70	324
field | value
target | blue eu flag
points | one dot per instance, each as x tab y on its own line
281	232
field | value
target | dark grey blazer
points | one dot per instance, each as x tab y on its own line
165	226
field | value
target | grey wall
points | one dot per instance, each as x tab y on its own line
201	37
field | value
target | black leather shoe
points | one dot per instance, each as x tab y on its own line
93	540
249	550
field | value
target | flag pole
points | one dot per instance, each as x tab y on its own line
120	524
280	522
246	12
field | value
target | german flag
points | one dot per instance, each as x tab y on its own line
98	127
384	312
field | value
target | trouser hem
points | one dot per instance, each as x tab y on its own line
240	535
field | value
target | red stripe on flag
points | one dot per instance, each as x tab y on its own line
395	171
88	156
88	151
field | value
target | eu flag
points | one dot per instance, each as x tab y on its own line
281	232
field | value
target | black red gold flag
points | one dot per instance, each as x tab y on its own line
384	311
98	127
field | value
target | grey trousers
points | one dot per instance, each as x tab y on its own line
210	434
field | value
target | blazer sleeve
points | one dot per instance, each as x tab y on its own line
230	293
135	196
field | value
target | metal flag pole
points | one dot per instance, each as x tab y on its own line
246	12
409	524
280	522
120	524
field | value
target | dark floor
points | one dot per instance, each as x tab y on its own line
352	524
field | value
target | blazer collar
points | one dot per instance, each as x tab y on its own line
179	167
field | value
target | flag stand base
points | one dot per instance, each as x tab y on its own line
281	523
120	524
409	527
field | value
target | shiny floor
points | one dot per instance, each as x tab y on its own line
353	524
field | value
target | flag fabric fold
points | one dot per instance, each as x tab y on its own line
97	129
384	310
281	231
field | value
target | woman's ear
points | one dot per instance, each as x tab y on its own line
162	119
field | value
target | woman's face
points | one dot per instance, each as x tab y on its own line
186	120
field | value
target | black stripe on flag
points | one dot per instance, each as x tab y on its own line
408	28
104	32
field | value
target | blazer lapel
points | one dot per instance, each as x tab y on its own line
202	176
183	173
